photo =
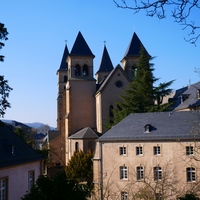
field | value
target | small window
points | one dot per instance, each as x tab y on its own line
189	150
118	84
157	173
122	151
123	172
111	115
191	175
124	195
76	146
85	70
3	188
31	180
140	173
65	78
77	70
139	150
156	150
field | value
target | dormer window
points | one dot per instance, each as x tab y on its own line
147	128
198	93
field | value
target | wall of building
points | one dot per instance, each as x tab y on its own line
18	182
172	160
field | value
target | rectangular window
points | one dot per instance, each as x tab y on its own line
123	173
191	175
122	151
140	173
157	173
189	150
138	150
3	188
31	179
124	195
156	150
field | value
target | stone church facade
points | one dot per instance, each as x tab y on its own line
85	103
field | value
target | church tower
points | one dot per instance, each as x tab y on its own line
131	56
62	79
78	101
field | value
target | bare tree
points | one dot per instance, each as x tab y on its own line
183	12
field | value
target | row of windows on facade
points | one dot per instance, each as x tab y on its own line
156	150
4	185
157	173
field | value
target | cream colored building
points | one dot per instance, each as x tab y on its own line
84	101
149	156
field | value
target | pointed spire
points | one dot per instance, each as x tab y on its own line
80	47
134	47
64	64
106	64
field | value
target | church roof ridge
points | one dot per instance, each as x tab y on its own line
80	47
106	63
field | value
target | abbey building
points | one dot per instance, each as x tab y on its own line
85	103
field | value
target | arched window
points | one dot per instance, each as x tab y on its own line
65	78
90	146
85	70
123	172
111	113
77	70
76	146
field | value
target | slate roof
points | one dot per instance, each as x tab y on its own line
164	126
64	64
13	150
106	63
134	47
191	95
80	47
85	133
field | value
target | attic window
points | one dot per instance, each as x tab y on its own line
147	128
198	93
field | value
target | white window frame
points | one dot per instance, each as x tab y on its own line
124	195
4	188
189	150
140	172
190	174
122	151
157	150
139	150
123	172
157	173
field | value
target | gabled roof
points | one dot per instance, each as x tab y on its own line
64	64
106	63
134	47
80	47
13	150
191	94
164	126
85	133
108	78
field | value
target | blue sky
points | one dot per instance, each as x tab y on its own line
37	33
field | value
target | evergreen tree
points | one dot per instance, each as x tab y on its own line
80	167
141	94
